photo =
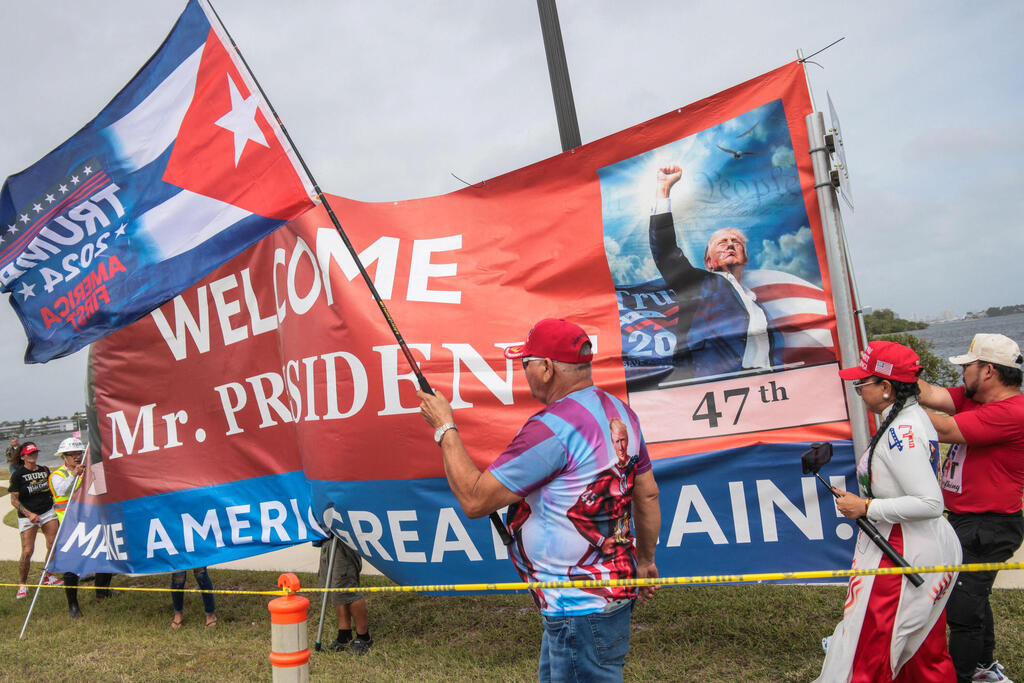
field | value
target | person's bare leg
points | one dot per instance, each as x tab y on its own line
358	612
344	617
28	546
50	534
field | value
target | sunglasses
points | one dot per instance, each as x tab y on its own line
857	386
527	359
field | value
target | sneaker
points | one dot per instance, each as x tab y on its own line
993	672
22	592
52	580
361	646
338	646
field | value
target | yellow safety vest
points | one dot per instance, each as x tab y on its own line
60	503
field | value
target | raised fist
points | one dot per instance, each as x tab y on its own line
667	177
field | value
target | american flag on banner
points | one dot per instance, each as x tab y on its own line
796	308
184	169
648	314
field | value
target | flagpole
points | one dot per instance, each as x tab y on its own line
421	380
49	556
424	385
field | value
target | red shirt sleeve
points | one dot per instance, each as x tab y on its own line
957	394
988	423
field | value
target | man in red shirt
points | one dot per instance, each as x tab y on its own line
983	485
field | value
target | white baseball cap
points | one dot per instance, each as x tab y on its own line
991	348
71	445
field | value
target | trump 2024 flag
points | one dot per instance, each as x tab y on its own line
184	169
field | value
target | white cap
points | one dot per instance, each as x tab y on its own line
71	445
991	348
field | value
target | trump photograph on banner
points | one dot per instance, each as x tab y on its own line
712	255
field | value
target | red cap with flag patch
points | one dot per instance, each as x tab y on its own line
556	339
887	360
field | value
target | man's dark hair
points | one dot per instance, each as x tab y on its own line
1011	377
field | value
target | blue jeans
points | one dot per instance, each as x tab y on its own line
203	579
591	647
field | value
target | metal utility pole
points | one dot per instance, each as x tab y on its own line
838	267
558	71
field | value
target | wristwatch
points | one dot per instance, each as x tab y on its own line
439	432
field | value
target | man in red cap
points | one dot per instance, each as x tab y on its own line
550	466
982	485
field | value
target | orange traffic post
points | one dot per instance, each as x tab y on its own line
289	645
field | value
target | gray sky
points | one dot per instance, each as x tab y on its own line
386	99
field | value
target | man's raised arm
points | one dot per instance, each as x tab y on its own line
937	398
479	493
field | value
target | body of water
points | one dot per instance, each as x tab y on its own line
48	444
953	338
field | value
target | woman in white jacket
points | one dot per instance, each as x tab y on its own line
892	630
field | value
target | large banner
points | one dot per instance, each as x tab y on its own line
271	400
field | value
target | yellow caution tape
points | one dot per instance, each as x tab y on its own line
660	581
676	581
141	589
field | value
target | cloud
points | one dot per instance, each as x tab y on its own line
628	269
792	253
782	156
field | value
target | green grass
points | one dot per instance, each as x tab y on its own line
705	633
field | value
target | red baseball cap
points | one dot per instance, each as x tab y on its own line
556	339
887	360
30	448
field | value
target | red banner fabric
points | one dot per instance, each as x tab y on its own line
281	362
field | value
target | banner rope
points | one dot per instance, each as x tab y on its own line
605	583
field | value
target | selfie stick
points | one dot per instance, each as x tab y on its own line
872	532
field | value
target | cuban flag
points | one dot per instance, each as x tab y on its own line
185	168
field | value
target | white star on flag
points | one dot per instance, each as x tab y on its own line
87	170
37	208
26	290
25	218
63	189
120	231
50	199
241	120
74	180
